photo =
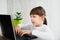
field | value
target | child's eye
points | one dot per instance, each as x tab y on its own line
33	16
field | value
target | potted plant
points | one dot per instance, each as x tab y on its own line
18	19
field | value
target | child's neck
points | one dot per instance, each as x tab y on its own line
39	25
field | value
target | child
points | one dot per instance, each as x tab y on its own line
39	27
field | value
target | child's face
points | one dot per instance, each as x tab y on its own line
36	20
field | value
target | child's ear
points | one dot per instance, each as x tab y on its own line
43	17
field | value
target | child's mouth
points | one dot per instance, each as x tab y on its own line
33	22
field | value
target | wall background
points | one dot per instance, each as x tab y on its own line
52	8
3	6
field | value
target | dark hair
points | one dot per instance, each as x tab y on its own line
39	11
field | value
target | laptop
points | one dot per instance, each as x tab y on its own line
8	29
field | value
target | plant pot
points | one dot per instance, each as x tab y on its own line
16	22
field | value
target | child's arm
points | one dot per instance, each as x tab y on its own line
21	32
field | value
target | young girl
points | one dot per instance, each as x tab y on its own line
39	25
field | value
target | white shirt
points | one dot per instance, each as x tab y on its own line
42	32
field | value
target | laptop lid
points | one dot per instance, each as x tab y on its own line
6	27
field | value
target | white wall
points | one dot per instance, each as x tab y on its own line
10	7
3	6
58	9
54	18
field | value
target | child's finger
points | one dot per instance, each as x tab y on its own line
23	32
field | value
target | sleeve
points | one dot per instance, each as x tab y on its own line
43	35
25	27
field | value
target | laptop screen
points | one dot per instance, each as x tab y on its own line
6	26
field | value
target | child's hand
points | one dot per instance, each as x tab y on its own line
22	32
26	32
17	29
